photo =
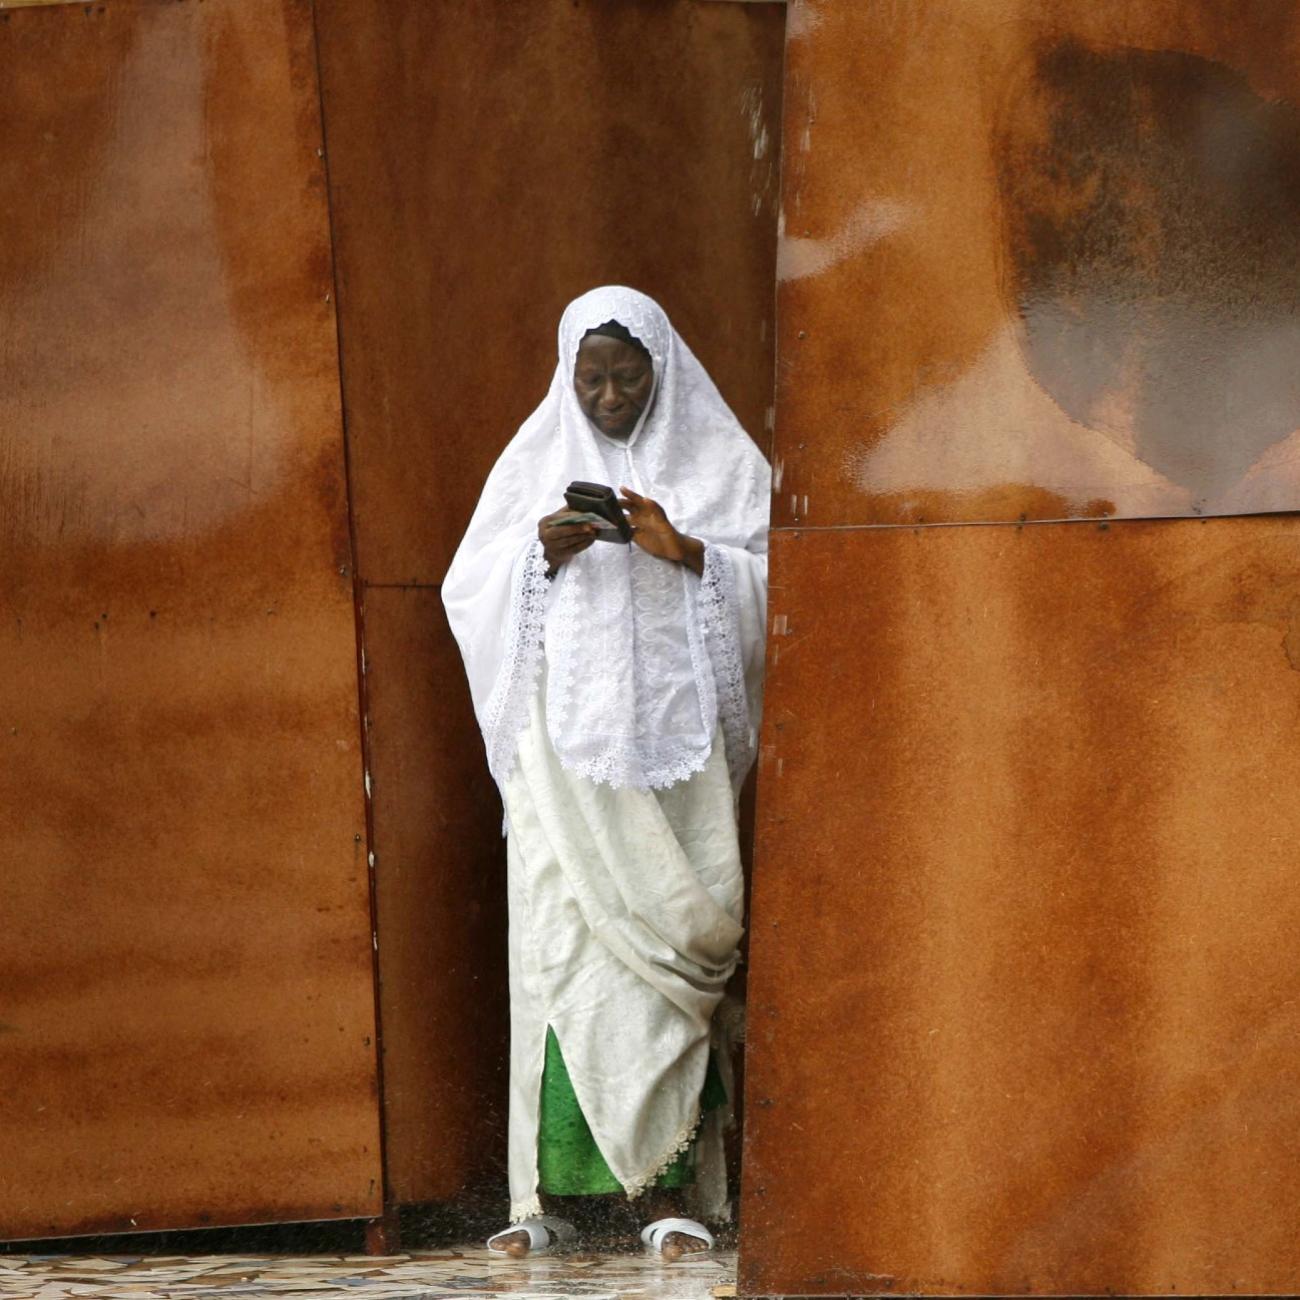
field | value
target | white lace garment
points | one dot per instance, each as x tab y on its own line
645	659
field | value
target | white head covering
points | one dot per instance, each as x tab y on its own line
640	654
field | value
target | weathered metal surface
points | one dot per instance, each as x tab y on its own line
1040	260
185	981
488	162
440	881
1025	1008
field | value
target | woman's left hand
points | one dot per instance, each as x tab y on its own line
653	532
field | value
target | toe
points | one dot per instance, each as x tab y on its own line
514	1244
677	1244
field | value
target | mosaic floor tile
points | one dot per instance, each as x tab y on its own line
433	1275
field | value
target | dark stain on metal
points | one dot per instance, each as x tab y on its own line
1151	206
1066	289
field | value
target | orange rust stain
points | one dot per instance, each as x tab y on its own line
188	989
1024	1010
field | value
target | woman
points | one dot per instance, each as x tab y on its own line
618	690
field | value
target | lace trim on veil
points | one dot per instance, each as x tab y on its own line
560	676
620	765
719	615
506	717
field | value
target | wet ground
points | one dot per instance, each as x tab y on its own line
450	1274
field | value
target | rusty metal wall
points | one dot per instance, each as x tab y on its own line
1044	255
1024	1009
185	981
1023	1002
487	163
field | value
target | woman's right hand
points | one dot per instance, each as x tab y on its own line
562	542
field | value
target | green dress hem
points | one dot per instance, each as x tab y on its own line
569	1162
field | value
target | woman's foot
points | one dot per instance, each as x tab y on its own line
532	1236
674	1239
514	1244
677	1244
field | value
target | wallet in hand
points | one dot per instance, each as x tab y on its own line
599	500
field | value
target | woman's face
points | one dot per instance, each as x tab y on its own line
613	381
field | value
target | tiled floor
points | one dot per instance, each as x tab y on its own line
454	1274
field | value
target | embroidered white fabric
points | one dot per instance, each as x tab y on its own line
644	659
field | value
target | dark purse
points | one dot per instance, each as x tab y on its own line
601	501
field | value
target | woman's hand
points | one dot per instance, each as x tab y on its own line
562	542
653	531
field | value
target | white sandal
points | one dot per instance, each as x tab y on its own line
653	1234
544	1231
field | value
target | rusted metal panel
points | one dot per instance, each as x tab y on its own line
1039	260
1024	1004
489	162
185	982
440	883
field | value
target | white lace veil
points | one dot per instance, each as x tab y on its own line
644	660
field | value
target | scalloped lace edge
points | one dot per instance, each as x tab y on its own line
635	1187
560	677
620	766
507	713
720	617
529	1209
